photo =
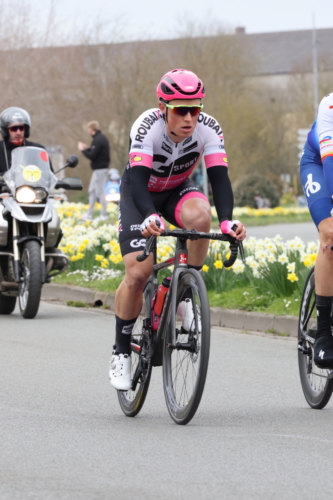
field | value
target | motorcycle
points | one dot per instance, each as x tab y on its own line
30	228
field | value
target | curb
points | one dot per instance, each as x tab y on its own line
228	318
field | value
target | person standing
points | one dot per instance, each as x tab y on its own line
99	156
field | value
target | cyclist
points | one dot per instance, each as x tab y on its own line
165	146
316	170
15	126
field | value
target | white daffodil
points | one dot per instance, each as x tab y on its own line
291	267
283	258
238	267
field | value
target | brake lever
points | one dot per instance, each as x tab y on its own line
240	245
241	251
145	254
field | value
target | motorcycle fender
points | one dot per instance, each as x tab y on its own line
3	228
14	209
53	229
17	213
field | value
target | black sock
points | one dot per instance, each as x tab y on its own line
324	308
124	329
198	268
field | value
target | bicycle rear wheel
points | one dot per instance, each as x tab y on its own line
316	384
131	401
185	365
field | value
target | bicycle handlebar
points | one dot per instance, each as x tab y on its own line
149	243
195	235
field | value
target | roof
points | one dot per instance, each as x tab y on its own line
288	51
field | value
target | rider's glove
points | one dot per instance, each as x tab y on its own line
152	218
227	225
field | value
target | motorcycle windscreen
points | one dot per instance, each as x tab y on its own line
30	167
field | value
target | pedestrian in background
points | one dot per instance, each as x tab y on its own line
99	156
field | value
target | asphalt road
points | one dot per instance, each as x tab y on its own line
306	231
63	436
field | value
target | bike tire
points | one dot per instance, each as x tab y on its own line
317	387
131	401
7	304
30	288
184	372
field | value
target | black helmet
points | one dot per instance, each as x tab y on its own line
14	116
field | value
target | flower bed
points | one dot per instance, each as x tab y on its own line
272	266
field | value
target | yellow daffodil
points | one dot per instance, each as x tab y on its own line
292	277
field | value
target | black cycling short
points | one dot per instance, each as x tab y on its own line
167	203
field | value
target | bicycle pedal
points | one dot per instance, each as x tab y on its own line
304	350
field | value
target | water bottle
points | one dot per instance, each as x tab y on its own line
159	302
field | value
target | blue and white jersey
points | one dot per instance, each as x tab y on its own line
320	137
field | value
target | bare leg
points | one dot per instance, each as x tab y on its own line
129	293
196	214
324	264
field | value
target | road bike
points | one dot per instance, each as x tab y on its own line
182	353
317	383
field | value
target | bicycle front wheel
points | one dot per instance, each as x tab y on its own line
316	384
131	401
185	364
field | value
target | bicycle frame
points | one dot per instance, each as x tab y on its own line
180	262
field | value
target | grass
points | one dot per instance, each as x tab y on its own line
274	332
268	220
108	285
76	303
252	301
243	298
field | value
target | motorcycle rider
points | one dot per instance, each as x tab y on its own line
15	126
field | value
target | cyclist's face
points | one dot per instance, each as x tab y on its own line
182	126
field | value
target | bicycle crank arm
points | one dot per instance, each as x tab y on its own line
304	350
136	376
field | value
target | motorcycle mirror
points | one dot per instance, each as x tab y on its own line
72	161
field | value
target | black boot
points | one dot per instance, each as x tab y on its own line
323	347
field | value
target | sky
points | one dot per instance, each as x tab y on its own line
142	19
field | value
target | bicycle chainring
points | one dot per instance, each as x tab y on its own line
146	339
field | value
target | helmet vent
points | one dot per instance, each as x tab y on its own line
181	91
166	89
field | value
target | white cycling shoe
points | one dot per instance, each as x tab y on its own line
120	371
185	312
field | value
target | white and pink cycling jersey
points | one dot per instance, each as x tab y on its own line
170	162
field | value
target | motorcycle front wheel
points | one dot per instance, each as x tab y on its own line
30	287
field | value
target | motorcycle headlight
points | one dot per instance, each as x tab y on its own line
40	195
25	194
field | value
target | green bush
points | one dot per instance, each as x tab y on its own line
246	188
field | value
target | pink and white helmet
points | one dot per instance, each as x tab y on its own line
180	84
